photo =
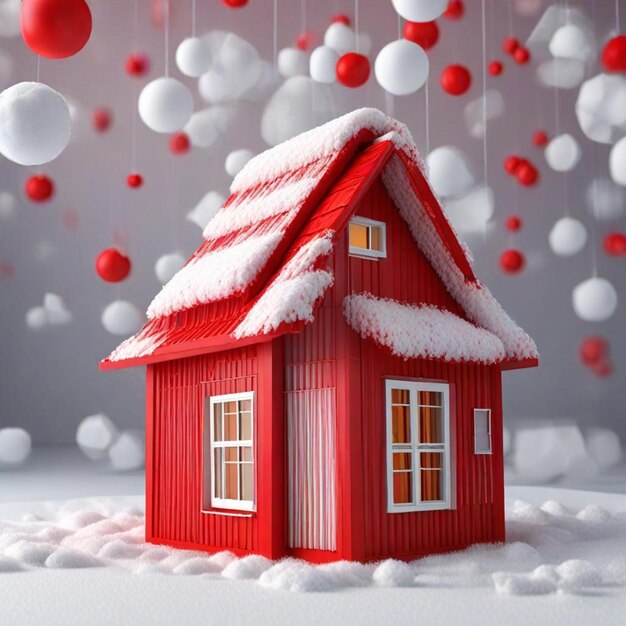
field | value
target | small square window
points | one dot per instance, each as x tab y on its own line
367	238
482	431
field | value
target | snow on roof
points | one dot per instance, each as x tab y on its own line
424	331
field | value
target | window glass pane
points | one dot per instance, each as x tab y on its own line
482	443
402	461
231	479
246	481
358	236
245	426
217	478
399	396
401	426
246	454
217	422
430	422
375	238
402	487
481	421
230	426
231	455
431	476
429	398
230	407
245	405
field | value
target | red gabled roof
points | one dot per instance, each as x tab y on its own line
261	271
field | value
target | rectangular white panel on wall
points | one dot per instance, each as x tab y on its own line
311	475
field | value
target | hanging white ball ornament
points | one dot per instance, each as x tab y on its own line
448	172
168	265
193	56
617	162
401	67
420	10
571	42
165	105
236	160
35	124
121	318
292	62
567	237
36	318
594	300
563	153
322	64
340	38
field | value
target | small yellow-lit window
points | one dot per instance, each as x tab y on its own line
367	238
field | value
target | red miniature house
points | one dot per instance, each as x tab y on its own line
324	374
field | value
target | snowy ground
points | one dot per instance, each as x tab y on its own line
83	560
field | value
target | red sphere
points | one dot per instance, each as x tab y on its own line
511	163
513	223
614	55
593	349
424	34
512	261
305	40
101	119
456	80
134	180
342	18
112	266
615	244
540	138
521	56
353	69
179	143
495	68
603	369
510	45
55	29
527	174
137	65
39	188
235	4
455	10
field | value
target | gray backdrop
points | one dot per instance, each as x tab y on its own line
50	379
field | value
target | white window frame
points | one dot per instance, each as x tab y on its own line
366	252
489	433
227	503
414	447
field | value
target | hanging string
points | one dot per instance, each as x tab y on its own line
594	252
399	26
193	18
302	16
356	23
427	113
617	17
275	32
166	8
484	54
133	104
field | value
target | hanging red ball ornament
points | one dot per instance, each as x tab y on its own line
614	55
540	138
39	188
342	18
179	143
602	369
101	119
353	69
512	261
521	56
235	4
424	34
112	266
513	223
305	40
137	65
456	80
455	10
55	29
615	244
495	68
134	180
593	349
511	163
510	45
527	174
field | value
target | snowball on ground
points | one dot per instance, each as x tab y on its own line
95	435
15	446
128	451
411	331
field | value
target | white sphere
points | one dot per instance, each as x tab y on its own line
571	42
567	237
604	447
35	124
206	209
165	105
128	451
471	212
563	153
95	435
448	172
36	318
601	107
340	38
193	56
401	67
8	204
420	10
605	199
617	162
594	300
168	265
15	446
236	160
561	73
323	64
292	62
121	318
